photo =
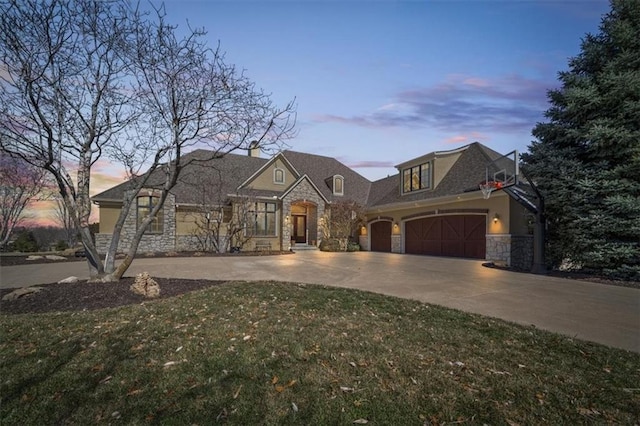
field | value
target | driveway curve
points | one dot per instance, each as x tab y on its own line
600	313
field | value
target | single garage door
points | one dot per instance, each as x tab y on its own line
381	236
455	236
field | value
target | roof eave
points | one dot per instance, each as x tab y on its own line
466	196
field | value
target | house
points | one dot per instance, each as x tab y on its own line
432	206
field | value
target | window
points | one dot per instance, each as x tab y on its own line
416	178
278	176
145	205
265	223
338	185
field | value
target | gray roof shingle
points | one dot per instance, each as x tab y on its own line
464	176
227	173
320	168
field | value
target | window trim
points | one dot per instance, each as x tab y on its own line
337	178
407	175
266	212
155	227
275	174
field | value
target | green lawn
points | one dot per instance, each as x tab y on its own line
272	353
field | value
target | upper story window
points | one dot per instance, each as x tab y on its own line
278	176
146	204
338	185
416	178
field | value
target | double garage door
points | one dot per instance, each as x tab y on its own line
454	236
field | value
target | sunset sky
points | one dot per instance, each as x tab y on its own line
380	82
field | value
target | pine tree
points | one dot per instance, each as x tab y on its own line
586	157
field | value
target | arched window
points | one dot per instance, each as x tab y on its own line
146	203
278	176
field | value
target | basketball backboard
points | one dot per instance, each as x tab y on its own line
501	173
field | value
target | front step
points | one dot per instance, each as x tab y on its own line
303	247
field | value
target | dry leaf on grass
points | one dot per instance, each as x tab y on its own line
360	422
235	395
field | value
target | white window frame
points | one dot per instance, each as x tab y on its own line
275	174
335	179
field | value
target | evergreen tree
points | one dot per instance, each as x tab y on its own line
586	157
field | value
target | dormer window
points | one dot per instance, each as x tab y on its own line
416	178
338	185
278	176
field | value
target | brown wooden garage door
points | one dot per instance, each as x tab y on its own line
381	236
455	236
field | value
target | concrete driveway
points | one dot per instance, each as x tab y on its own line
589	311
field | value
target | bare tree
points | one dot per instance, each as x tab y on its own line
64	219
341	222
20	185
220	228
221	215
85	78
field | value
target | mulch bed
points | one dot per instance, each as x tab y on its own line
83	295
573	276
11	260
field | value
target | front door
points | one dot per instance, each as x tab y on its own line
300	229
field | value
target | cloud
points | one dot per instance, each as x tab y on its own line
461	104
467	137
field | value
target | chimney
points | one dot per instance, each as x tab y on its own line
254	149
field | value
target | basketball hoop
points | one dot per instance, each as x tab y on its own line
488	187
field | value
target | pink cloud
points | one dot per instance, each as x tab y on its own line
476	82
466	138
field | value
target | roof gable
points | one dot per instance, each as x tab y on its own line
297	183
267	167
321	171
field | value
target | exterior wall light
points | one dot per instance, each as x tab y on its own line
496	218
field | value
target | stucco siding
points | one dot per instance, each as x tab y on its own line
265	181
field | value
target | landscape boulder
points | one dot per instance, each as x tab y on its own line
55	257
145	286
21	292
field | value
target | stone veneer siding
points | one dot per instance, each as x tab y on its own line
396	243
498	249
515	251
149	242
522	252
364	242
305	192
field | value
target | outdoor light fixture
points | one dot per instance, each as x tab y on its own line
496	218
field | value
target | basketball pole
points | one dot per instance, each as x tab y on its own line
539	228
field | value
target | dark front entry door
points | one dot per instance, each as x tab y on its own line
300	229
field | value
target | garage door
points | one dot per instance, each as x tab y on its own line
455	236
381	236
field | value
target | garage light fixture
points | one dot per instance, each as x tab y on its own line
496	218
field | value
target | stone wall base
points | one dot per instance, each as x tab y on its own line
396	243
148	243
363	240
514	251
